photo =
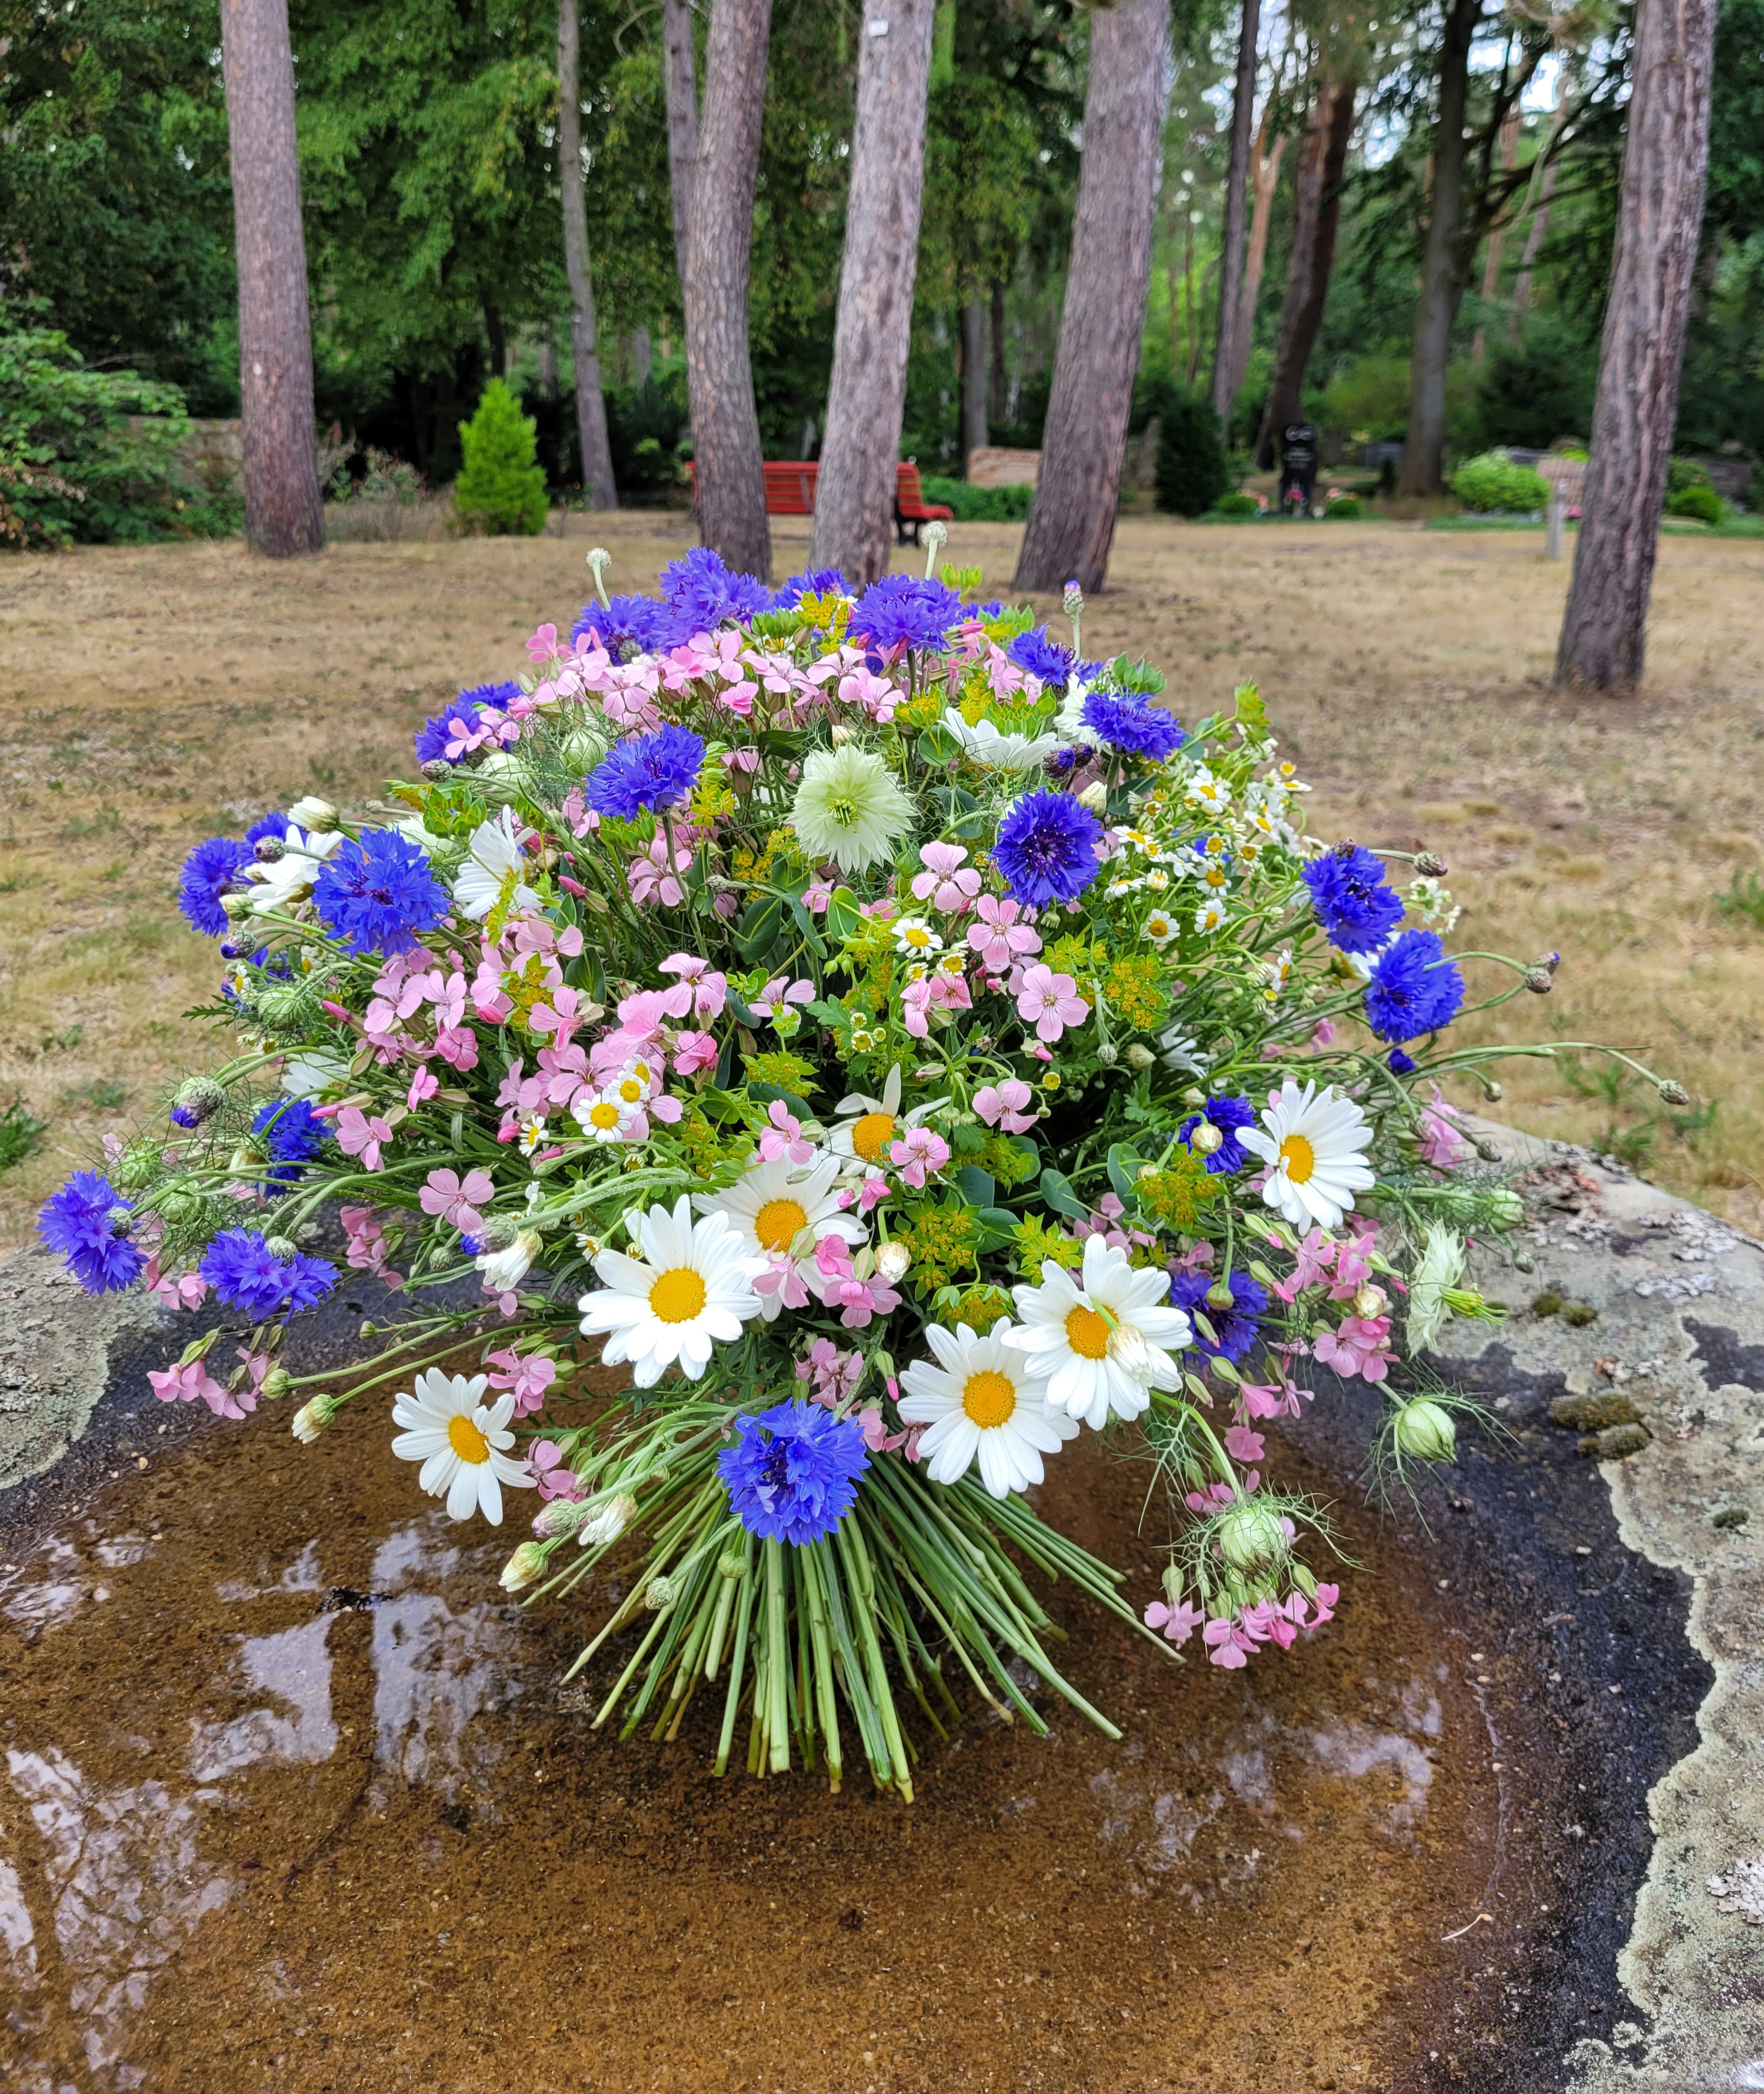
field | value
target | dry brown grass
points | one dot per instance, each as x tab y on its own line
155	695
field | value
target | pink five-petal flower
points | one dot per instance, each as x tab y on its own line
181	1383
918	1154
357	1135
998	938
1314	1257
1244	1445
651	873
1441	1146
947	883
1178	1623
1006	1105
784	1137
457	1201
1050	1002
423	1086
1228	1643
529	1375
693	1051
553	1474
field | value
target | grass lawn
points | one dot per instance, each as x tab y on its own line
155	695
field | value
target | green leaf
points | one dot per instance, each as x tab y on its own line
937	746
807	924
843	915
998	1226
1056	1190
757	933
977	1186
1123	1170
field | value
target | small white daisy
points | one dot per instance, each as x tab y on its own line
983	1402
533	1136
1104	1344
1208	793
692	1289
1210	915
462	1442
1314	1142
606	1117
865	1126
1160	928
912	934
491	873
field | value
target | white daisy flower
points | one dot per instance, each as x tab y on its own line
508	1268
462	1442
772	1204
1314	1142
1204	791
1160	928
865	1126
692	1289
849	808
494	863
531	1137
1105	1345
982	1401
1181	1050
1275	974
985	746
912	934
1157	880
607	1116
279	885
1210	915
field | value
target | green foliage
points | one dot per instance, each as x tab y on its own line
21	1134
1682	473
1743	901
1699	503
1236	506
501	490
1344	509
978	505
1369	398
1492	483
1191	473
1539	389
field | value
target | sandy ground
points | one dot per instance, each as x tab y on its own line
156	695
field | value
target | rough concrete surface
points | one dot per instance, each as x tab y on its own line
55	1342
1679	1331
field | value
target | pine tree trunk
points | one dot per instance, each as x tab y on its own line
1071	520
719	372
598	489
855	495
1444	265
1498	236
1267	176
1230	241
1000	376
1316	213
679	88
1666	160
283	512
974	379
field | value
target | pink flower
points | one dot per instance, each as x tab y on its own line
1324	1033
710	990
782	1278
919	1154
368	1249
998	938
834	1373
1315	1255
357	1134
1230	1643
834	1277
1270	1400
1359	1347
1178	1623
779	993
457	1046
1050	1001
1244	1445
1006	1105
529	1376
1440	1144
457	1201
784	1137
947	884
693	1051
180	1383
651	873
553	1474
543	646
922	999
817	894
423	1086
189	1290
872	1192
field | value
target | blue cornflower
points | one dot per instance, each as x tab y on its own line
209	871
1229	1115
273	824
793	1474
649	770
815	581
84	1223
1132	724
632	622
433	735
899	611
377	893
1415	988
246	1274
1047	849
1235	1328
1354	904
1041	656
699	593
293	1134
1399	1064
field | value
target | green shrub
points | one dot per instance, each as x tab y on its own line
1235	506
1344	509
1191	474
1699	502
977	505
1494	482
1531	393
1684	473
501	489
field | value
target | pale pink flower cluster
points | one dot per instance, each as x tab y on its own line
530	1375
368	1249
1232	1640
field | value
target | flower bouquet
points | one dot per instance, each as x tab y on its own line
899	1044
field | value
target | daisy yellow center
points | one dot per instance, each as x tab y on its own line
678	1295
988	1398
603	1114
1087	1333
1299	1159
777	1223
631	1090
916	935
871	1134
467	1442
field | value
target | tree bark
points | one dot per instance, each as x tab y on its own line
1071	520
974	376
598	489
1230	246
854	496
719	372
1268	180
680	89
1000	377
1316	213
1497	235
1544	192
283	512
1443	268
1665	162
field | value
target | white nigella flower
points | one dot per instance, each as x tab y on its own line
1181	1051
912	934
691	1289
606	1116
279	885
847	807
491	873
509	1266
1314	1144
984	744
1101	1339
865	1126
462	1442
1435	1279
771	1204
982	1402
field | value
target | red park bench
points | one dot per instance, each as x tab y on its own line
790	485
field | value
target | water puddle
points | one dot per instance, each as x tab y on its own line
288	1789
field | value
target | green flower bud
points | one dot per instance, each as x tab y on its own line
1251	1539
1424	1431
525	1564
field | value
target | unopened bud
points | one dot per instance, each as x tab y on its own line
1539	980
528	1561
236	905
313	815
1095	795
1206	1140
1550	960
1431	865
276	1383
200	1099
1496	1092
659	1593
1072	600
1424	1430
1140	1056
608	1521
1371	1302
313	1417
1674	1094
891	1261
730	1566
1108	1054
281	1248
437	768
841	734
267	849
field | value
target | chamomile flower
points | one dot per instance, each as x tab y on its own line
982	1402
912	934
461	1441
1160	928
1275	974
865	1127
1314	1144
606	1117
849	808
1211	795
771	1205
533	1136
491	871
1102	1338
1210	915
690	1290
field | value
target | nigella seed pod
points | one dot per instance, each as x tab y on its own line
1424	1431
1251	1539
